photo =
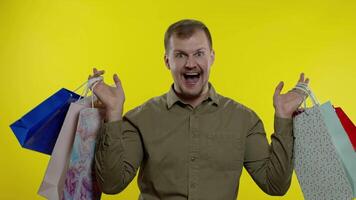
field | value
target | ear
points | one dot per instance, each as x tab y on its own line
166	61
212	56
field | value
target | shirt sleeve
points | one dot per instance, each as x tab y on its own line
118	155
270	166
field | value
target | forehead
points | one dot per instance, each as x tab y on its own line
196	41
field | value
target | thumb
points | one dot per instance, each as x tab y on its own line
279	88
117	81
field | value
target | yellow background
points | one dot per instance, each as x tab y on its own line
46	45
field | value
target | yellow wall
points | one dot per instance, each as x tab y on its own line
46	45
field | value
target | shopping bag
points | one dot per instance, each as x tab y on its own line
80	181
349	127
53	181
341	141
38	129
318	166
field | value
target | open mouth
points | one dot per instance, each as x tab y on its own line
191	78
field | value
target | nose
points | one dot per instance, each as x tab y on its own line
191	62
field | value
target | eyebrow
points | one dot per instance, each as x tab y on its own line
181	51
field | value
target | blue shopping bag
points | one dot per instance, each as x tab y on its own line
38	129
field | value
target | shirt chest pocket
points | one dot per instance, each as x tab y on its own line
224	150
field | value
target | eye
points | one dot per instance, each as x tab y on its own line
179	55
199	53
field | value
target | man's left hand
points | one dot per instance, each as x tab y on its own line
286	104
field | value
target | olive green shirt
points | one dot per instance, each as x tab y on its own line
193	153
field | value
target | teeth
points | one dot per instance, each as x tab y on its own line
191	73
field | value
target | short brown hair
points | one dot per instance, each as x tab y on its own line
184	29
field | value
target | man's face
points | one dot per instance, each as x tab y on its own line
189	60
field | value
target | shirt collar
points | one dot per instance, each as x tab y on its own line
172	97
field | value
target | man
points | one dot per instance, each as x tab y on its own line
191	142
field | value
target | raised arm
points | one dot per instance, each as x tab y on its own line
118	152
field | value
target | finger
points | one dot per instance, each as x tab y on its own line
279	88
301	78
98	104
307	80
117	81
93	76
96	71
99	73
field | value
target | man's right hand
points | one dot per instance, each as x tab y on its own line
113	98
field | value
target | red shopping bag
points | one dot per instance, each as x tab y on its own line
349	127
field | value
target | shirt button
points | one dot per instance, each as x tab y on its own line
192	158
